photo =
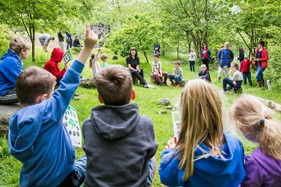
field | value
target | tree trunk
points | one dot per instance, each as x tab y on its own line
144	53
178	47
33	42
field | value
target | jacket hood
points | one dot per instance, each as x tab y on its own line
112	122
219	168
271	165
57	55
22	127
10	53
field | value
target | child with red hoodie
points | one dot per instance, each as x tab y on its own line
245	70
53	64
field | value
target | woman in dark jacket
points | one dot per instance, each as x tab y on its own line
133	63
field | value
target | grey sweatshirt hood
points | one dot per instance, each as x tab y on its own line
113	122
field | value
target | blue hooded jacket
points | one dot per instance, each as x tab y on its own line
10	68
38	138
210	171
229	58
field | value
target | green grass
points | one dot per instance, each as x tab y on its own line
147	102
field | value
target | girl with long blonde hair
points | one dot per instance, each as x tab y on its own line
254	119
203	155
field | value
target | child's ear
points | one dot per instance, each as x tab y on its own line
133	94
41	98
100	99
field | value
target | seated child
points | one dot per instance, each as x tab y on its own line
94	64
203	155
53	64
176	75
104	59
37	137
157	71
118	141
245	70
234	82
10	68
204	73
254	119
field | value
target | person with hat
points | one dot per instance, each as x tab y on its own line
245	70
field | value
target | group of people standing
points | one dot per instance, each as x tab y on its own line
62	37
225	58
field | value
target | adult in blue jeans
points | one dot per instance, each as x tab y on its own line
234	82
261	58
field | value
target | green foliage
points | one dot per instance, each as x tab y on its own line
5	37
140	32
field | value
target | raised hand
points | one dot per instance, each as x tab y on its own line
91	38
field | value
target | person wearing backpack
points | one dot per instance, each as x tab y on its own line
205	55
225	57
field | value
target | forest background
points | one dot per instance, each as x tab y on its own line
177	25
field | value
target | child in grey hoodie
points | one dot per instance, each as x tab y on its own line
119	142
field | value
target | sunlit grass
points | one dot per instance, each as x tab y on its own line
147	102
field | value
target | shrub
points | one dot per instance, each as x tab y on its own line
5	37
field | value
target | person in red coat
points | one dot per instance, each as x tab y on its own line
246	71
261	58
53	64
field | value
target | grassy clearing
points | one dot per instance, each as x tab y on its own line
147	101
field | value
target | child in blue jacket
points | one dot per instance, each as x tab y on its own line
37	136
203	155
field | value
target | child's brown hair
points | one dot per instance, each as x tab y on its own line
18	44
114	85
33	82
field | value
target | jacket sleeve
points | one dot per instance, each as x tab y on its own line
169	172
128	61
64	93
13	71
56	71
264	57
209	54
219	56
231	56
254	177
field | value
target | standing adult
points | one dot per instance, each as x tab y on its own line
45	40
68	40
261	58
225	57
205	55
133	63
10	68
61	37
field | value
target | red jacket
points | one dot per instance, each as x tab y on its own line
53	64
245	65
264	57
